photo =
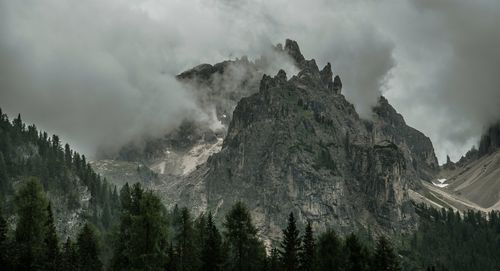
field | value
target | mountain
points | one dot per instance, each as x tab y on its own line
298	145
77	194
473	181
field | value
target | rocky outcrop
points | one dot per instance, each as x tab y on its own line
298	145
490	141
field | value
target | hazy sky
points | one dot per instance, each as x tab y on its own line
100	72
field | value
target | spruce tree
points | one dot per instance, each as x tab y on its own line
30	234
329	252
211	254
88	250
142	238
246	252
69	256
308	250
5	185
185	243
51	242
274	263
355	255
384	257
290	245
3	240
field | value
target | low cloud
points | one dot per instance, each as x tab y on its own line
101	73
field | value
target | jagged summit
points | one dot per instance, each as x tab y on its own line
309	69
297	145
292	48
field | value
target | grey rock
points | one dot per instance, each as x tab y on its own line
293	147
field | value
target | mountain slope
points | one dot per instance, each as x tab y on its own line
474	181
77	193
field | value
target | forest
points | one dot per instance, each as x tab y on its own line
131	229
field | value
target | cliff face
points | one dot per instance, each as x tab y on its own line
298	145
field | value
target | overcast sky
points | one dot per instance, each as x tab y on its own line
100	72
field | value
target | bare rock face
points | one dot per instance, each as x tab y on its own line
298	145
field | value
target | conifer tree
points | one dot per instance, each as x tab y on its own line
246	252
355	255
329	252
69	256
274	262
88	250
185	243
142	236
308	250
384	257
3	240
30	233
51	242
211	254
5	186
290	245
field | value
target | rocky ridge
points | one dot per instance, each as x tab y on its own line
298	145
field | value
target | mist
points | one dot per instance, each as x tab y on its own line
101	73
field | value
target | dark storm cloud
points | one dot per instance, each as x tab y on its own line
447	82
101	72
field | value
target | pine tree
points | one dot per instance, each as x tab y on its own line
355	254
384	257
185	243
142	236
125	198
51	242
5	185
290	245
69	256
308	250
30	233
171	258
88	250
246	252
211	254
68	156
274	262
3	240
329	252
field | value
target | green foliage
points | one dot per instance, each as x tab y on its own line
355	255
52	252
69	256
308	250
31	230
245	251
142	237
88	250
212	256
185	243
290	245
384	257
329	252
3	240
447	240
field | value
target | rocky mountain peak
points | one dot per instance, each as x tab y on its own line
337	84
294	146
292	49
327	74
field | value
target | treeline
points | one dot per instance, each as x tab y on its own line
149	237
35	245
447	240
27	152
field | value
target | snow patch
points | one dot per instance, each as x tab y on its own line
440	183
